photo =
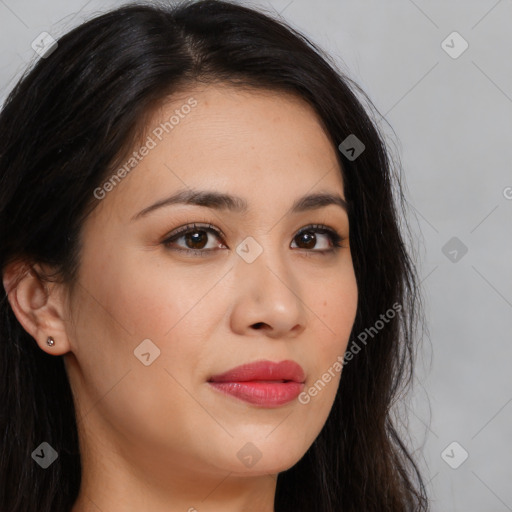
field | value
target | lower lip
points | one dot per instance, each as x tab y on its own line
265	394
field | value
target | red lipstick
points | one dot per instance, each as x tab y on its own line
262	383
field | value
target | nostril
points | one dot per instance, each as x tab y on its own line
258	325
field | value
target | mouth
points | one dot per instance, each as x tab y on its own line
262	383
263	371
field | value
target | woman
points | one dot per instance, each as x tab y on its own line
209	304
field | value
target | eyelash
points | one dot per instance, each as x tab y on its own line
334	236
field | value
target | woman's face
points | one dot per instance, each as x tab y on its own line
152	323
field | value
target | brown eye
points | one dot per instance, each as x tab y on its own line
195	239
308	239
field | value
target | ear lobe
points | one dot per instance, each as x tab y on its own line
37	305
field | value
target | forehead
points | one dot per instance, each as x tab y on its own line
258	144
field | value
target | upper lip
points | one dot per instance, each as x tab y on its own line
262	370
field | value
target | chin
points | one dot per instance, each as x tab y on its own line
254	466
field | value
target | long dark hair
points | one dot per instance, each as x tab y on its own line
65	125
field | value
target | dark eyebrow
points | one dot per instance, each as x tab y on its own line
221	201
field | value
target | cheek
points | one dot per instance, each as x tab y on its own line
177	310
334	303
153	299
334	306
132	303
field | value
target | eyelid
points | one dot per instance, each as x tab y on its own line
194	225
335	236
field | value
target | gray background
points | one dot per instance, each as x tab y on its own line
453	123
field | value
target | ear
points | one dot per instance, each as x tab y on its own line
39	306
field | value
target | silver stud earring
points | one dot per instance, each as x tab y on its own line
50	341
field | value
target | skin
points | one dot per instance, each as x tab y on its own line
158	437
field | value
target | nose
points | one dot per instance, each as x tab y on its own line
267	297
